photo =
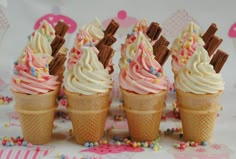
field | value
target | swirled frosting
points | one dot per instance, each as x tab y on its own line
31	74
143	74
95	30
129	50
39	43
88	75
192	27
198	75
82	38
47	30
184	45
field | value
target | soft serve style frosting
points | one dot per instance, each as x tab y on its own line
31	74
94	28
142	74
184	45
88	75
39	43
198	75
82	38
129	48
47	30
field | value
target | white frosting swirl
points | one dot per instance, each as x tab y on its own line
39	44
88	75
130	50
95	30
47	30
198	75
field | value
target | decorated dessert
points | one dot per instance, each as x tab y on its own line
143	83
35	89
199	86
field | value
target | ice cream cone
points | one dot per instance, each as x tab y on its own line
36	114
88	114
143	114
196	101
198	115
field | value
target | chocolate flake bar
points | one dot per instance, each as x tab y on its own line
218	60
162	55
153	31
105	54
213	44
209	33
111	28
161	41
57	64
56	44
106	40
61	28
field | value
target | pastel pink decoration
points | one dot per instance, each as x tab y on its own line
213	151
232	31
106	149
116	124
173	25
2	83
22	153
54	18
122	18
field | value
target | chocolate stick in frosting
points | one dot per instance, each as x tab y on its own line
213	44
105	54
106	40
61	28
218	60
153	31
111	28
161	41
56	44
160	50
209	33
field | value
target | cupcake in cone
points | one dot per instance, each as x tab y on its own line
144	89
87	87
198	90
35	92
184	46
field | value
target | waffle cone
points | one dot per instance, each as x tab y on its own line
198	115
143	114
197	101
88	114
198	126
36	113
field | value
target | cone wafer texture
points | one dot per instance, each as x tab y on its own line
36	114
143	114
88	114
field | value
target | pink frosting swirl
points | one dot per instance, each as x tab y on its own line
141	26
31	75
183	48
83	38
144	74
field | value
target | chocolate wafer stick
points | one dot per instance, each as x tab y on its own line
112	28
56	44
161	41
162	55
209	33
105	54
153	31
218	60
57	63
213	44
106	40
61	28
